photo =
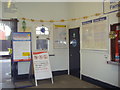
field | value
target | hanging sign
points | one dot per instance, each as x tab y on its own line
111	6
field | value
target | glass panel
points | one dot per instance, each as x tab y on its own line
42	44
40	32
5	31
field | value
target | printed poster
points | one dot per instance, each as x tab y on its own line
21	46
41	65
60	36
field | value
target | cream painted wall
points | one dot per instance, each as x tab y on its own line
44	11
94	63
0	47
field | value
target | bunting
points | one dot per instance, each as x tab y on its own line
62	20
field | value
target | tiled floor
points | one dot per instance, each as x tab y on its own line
62	81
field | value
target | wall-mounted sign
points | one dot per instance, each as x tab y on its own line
74	42
110	6
21	46
60	36
93	37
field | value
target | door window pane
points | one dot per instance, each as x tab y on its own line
42	44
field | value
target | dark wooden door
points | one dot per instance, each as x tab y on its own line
74	52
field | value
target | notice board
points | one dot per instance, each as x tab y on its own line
60	36
42	69
21	46
95	34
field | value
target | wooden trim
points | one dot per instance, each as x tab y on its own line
98	83
16	20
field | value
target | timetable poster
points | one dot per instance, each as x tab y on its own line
41	63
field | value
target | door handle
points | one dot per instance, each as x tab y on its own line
70	54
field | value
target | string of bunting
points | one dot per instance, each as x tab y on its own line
63	20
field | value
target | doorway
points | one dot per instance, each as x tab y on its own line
74	52
7	27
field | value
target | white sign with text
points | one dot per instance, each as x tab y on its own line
42	69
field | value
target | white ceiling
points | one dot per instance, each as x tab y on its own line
55	0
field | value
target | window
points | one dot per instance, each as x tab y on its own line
42	44
7	26
5	31
42	30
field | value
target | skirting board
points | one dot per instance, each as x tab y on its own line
57	73
25	76
98	83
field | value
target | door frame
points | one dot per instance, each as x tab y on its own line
79	52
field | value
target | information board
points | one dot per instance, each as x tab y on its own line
95	34
21	46
42	69
110	6
59	37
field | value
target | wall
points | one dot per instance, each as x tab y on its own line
0	45
94	63
44	11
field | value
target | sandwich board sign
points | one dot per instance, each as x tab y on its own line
42	69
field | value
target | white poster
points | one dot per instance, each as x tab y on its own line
22	51
100	27
87	35
42	69
59	36
21	46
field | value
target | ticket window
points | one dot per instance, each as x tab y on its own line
42	38
115	42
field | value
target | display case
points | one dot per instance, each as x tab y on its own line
115	42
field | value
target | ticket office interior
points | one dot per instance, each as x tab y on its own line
93	63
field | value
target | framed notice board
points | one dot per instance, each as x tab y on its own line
95	34
21	46
21	56
60	36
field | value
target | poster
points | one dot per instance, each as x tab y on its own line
59	36
21	36
87	34
21	46
42	69
101	33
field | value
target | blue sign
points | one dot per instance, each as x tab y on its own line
87	22
74	42
99	19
